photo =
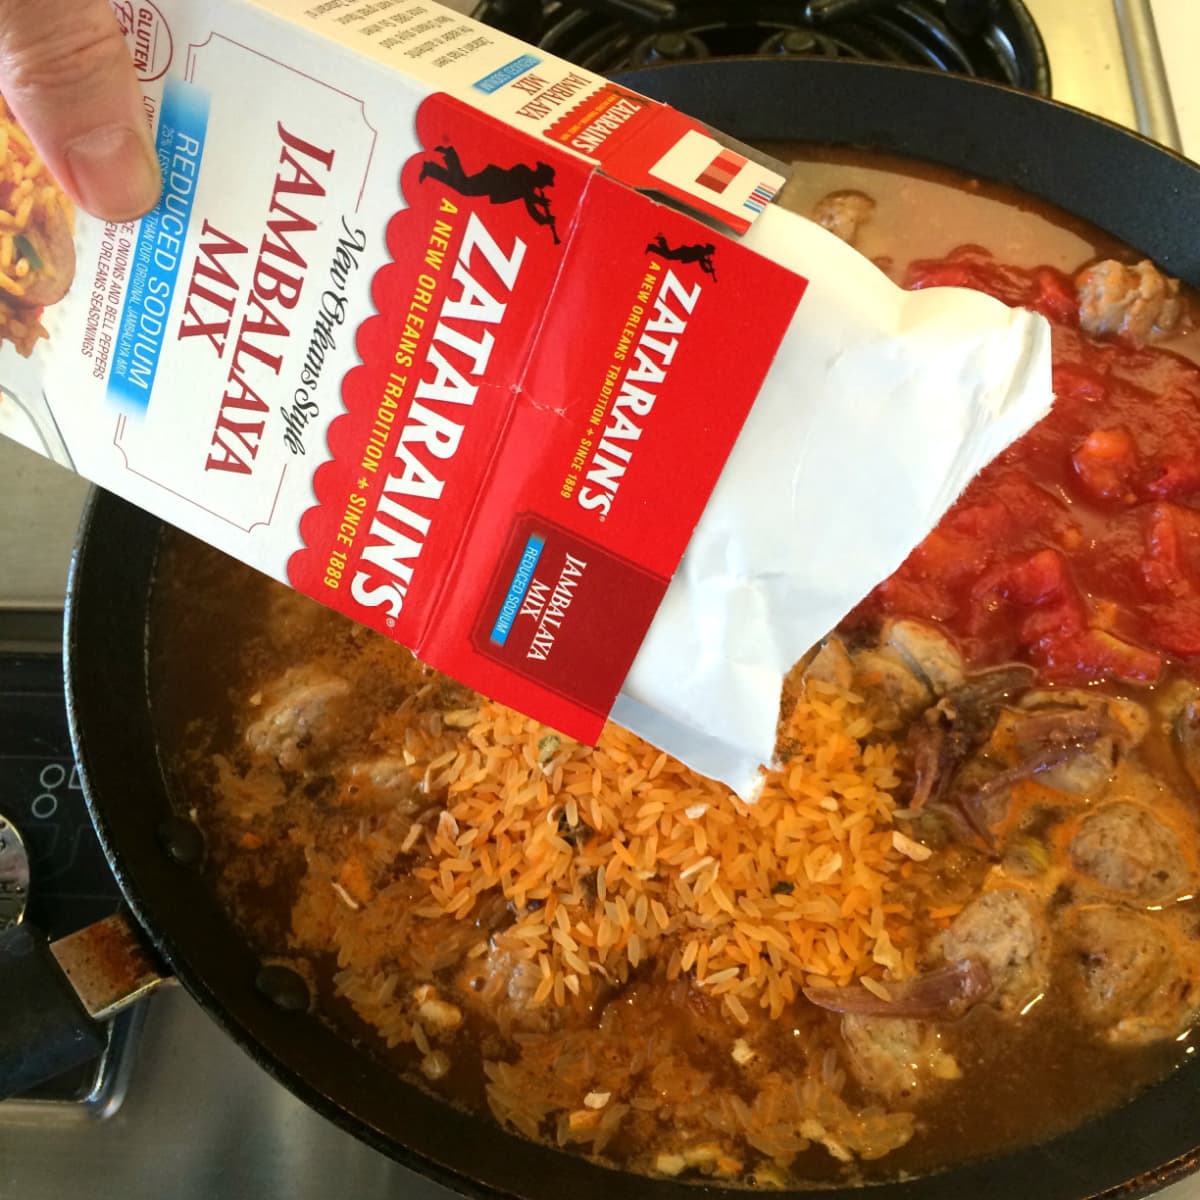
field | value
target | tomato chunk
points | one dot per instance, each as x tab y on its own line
1096	654
1172	560
1056	297
1040	583
1177	625
1106	464
1177	477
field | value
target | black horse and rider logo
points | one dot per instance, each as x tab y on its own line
701	254
501	185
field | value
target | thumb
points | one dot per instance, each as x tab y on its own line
68	78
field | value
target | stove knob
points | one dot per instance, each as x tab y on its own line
801	43
670	46
798	41
14	875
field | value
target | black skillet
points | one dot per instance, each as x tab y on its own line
1136	191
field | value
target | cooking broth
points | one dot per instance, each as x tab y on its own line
310	751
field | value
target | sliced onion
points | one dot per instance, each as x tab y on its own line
942	994
925	743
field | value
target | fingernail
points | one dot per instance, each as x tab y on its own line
115	173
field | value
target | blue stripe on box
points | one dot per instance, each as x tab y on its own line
506	74
517	589
759	198
154	268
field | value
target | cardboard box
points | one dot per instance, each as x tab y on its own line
424	325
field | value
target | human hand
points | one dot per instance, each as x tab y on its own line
66	74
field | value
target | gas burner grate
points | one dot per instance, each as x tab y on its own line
988	39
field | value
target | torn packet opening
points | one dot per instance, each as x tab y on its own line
880	407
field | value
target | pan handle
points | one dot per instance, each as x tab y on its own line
44	1029
53	997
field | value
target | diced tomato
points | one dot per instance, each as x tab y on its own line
1176	477
1040	582
974	267
1095	654
1026	581
1172	539
1162	568
1056	297
1067	615
949	556
1106	463
1070	537
914	598
940	275
986	523
1076	381
1176	625
1028	506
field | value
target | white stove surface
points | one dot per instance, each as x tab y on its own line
201	1120
1177	23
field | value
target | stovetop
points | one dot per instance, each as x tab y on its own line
175	1109
71	885
990	39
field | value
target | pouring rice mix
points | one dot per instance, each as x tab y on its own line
961	914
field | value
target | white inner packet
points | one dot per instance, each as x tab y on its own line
880	407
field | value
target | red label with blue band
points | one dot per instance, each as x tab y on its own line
549	390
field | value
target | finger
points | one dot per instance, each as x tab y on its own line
68	78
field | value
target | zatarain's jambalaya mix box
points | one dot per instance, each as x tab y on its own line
452	336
